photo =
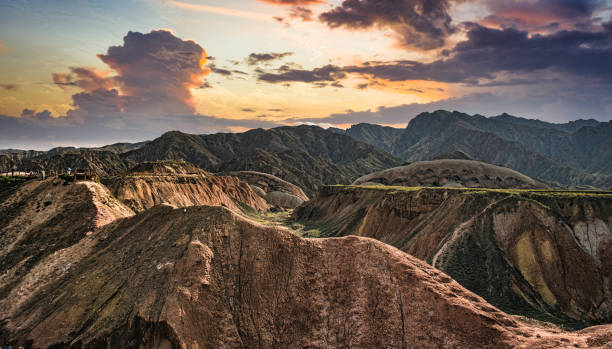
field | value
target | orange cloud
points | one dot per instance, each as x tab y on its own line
424	89
4	48
222	11
150	74
294	2
87	79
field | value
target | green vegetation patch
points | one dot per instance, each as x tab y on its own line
284	219
529	193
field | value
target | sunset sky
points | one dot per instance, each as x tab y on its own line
87	73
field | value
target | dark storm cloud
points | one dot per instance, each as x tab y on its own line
85	78
423	24
542	15
485	53
258	58
288	74
40	117
214	69
156	71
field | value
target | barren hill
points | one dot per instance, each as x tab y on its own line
181	184
452	173
571	154
42	218
544	254
276	191
205	277
165	167
308	156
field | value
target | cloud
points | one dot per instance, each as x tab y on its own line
293	2
9	87
205	84
300	12
150	74
32	133
552	101
221	71
156	71
286	73
145	92
422	24
258	58
86	78
541	15
248	110
4	48
221	10
485	54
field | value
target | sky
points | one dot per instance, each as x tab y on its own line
89	73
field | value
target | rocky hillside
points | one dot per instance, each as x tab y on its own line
181	184
308	156
382	137
205	277
105	162
452	173
165	168
572	154
544	254
41	219
276	191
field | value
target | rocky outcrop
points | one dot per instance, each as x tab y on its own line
276	191
165	167
42	218
308	156
544	254
452	173
144	191
205	277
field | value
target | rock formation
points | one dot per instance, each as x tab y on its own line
276	191
544	254
204	277
452	173
181	184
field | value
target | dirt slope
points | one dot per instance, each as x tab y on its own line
205	277
541	254
41	218
181	184
452	173
276	191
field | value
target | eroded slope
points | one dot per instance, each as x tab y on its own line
457	173
205	277
181	184
538	253
42	218
275	191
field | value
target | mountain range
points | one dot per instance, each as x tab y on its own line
574	154
577	153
